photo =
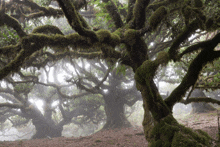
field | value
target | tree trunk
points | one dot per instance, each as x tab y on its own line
163	130
43	129
200	107
114	109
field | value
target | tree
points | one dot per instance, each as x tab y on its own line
50	119
176	20
112	87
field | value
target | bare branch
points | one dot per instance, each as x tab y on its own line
200	99
10	105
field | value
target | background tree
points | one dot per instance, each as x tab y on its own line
117	89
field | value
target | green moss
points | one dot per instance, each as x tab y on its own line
158	15
167	132
104	35
181	140
107	37
130	37
114	40
157	143
145	71
162	58
47	29
118	32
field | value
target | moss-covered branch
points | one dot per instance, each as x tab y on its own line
35	42
155	5
42	11
187	31
130	10
113	11
200	45
206	55
47	29
200	99
140	13
74	20
5	19
8	50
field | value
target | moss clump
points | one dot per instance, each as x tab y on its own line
47	29
114	40
118	32
103	35
130	37
158	15
107	37
162	58
145	72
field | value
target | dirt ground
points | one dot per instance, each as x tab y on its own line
127	137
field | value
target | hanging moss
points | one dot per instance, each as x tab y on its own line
158	15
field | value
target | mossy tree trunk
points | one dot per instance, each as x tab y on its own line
200	107
160	127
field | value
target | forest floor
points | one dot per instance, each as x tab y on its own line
126	137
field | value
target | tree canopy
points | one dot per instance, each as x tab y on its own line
146	35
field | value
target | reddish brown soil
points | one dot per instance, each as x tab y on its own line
127	137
